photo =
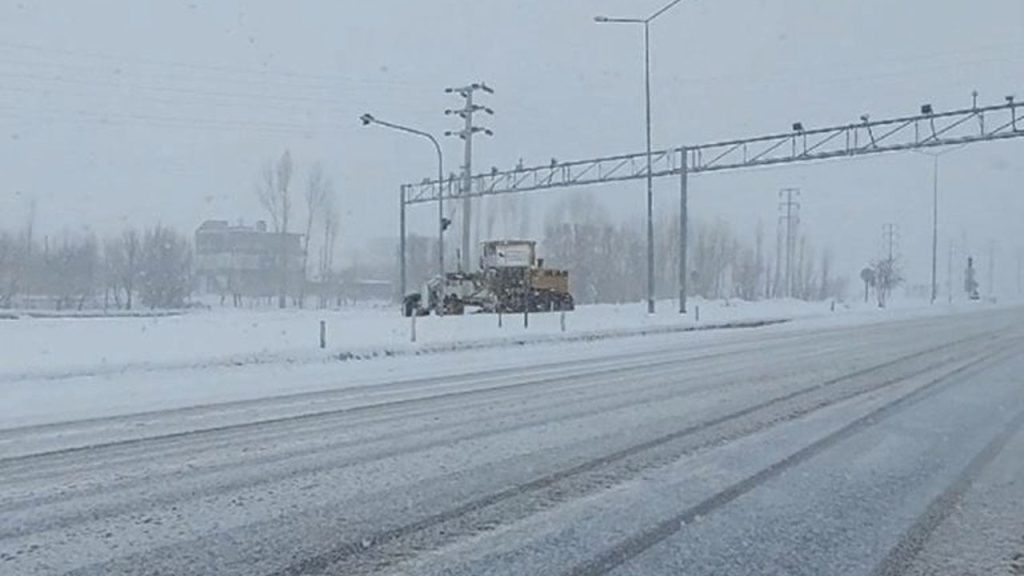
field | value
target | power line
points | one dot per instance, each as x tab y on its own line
218	69
162	97
115	119
167	89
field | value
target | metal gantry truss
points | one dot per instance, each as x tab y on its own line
924	131
978	124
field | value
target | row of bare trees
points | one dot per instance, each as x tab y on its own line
608	260
274	191
78	271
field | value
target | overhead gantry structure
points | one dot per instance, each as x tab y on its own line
927	130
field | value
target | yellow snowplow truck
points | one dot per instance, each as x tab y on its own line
511	279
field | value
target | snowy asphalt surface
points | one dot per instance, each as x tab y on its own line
883	449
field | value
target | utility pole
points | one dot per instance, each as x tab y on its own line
927	109
790	210
992	268
468	131
949	274
777	282
935	226
1020	261
890	234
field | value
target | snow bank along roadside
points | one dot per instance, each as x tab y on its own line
216	391
50	348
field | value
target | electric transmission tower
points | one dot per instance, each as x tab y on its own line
890	241
888	275
469	109
789	221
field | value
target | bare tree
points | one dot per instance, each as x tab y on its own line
274	193
71	271
826	288
317	189
165	260
113	262
131	243
491	208
121	266
888	275
330	224
12	257
805	283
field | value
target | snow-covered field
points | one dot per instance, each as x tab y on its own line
60	347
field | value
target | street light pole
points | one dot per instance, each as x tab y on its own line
647	97
935	228
368	119
650	176
935	210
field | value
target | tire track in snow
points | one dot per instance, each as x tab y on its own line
913	540
354	550
640	543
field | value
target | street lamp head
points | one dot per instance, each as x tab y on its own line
927	109
1009	99
367	119
600	19
865	118
798	127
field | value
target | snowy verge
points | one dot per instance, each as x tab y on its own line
303	380
373	352
56	348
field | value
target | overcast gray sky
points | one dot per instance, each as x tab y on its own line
115	111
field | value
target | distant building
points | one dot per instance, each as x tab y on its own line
238	260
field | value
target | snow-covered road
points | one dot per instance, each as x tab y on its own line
814	449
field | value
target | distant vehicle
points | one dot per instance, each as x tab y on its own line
511	279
